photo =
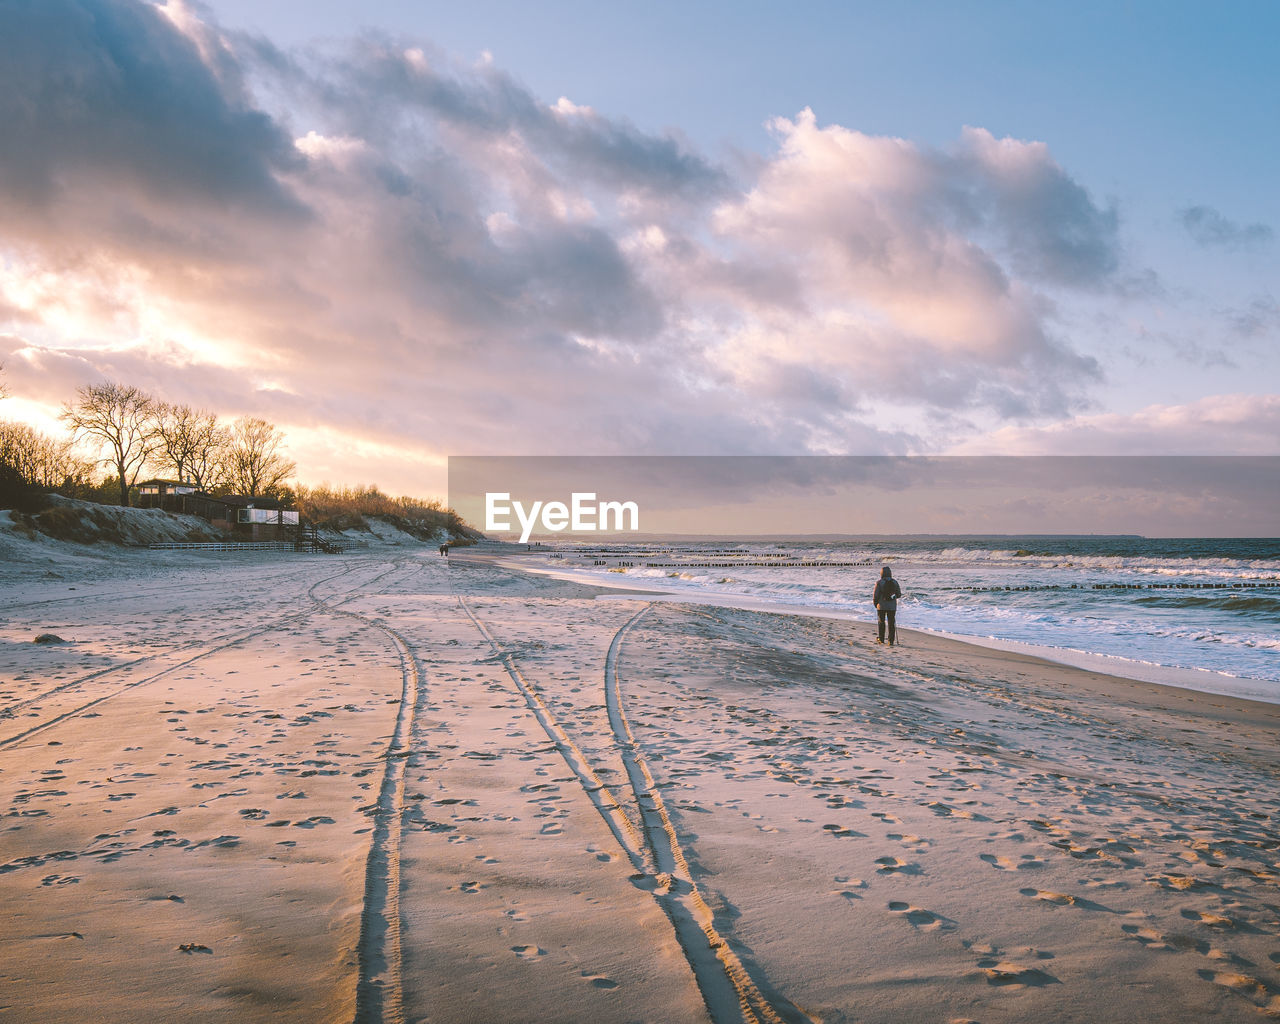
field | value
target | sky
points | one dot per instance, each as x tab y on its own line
403	231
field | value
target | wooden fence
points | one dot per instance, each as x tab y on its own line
219	545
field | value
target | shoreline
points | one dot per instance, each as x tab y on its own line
1199	680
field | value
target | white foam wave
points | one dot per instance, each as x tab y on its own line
1050	602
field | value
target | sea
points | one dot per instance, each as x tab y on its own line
1205	610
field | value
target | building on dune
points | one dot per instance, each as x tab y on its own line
251	517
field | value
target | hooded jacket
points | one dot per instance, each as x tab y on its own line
885	597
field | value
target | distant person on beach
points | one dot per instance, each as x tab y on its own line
885	598
444	550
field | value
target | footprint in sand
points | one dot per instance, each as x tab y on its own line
1000	863
1257	992
1181	883
835	803
1149	938
848	886
1011	975
1025	863
1110	851
1212	920
528	952
221	842
600	981
1056	898
924	920
897	837
1227	957
896	865
472	887
1079	852
947	811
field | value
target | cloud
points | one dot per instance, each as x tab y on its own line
113	98
922	268
376	242
394	93
1240	424
1050	224
1209	228
1260	318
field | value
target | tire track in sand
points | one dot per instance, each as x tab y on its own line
726	987
379	989
602	798
379	952
202	649
263	581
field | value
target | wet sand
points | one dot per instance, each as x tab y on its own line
391	786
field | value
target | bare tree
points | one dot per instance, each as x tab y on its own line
119	418
43	462
210	457
190	442
256	463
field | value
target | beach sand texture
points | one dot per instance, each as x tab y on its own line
396	787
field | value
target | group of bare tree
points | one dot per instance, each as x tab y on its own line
130	432
40	461
32	461
138	431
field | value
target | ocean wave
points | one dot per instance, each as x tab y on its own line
1236	568
1214	613
1257	604
770	556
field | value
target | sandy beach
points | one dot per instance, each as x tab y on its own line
390	786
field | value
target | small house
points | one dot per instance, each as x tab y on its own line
251	517
165	494
258	517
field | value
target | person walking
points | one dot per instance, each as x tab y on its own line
885	598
